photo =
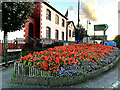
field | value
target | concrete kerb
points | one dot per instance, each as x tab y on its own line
61	81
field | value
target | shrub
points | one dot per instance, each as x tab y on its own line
117	40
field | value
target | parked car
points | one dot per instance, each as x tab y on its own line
110	43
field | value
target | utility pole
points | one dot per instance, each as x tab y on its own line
78	11
78	38
88	22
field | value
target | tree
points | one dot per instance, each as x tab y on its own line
79	31
14	17
117	40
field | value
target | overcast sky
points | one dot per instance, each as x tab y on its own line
119	17
97	11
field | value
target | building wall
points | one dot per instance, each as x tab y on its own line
13	35
71	27
119	22
51	23
30	20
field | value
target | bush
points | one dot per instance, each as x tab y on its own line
117	40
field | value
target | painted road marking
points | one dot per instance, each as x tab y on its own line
115	85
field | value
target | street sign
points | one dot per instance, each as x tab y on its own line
100	27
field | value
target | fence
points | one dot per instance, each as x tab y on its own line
25	70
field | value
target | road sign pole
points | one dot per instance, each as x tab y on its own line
94	36
104	37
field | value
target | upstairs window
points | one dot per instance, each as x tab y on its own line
48	33
57	19
63	22
48	14
56	34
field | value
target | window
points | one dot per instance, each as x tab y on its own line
69	33
62	35
56	34
48	33
73	35
48	15
63	22
57	19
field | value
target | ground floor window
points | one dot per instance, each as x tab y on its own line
69	33
48	33
56	34
62	35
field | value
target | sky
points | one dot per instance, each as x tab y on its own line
119	17
97	11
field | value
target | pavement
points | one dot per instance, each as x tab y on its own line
107	80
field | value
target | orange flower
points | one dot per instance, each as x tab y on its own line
55	71
65	63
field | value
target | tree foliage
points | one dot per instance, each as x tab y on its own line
80	31
117	40
14	17
15	14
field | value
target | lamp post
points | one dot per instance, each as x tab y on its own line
88	22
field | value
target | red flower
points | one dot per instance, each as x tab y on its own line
38	63
78	63
50	68
93	61
45	68
62	59
35	66
57	61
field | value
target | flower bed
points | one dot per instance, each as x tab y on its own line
71	60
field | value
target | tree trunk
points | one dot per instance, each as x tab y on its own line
5	48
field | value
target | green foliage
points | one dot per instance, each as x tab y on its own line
117	40
77	32
15	14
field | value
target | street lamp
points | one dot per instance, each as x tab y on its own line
88	22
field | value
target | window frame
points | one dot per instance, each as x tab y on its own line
57	22
49	32
73	33
57	36
69	33
63	22
62	35
46	14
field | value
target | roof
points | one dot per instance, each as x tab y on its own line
68	22
54	9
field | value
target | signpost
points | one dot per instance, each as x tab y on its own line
100	27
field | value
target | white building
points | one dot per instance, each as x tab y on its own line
53	23
45	22
70	31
